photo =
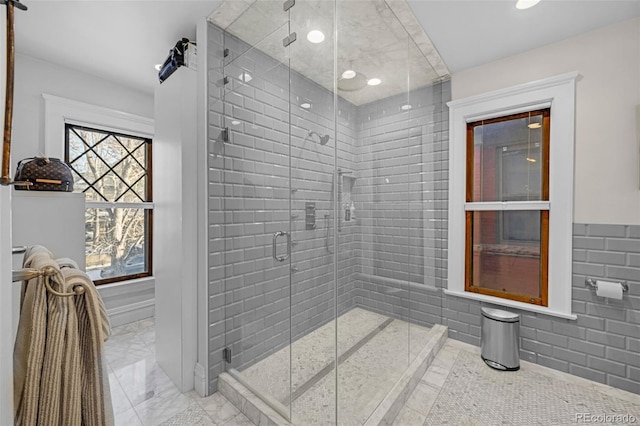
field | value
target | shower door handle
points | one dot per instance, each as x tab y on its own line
274	246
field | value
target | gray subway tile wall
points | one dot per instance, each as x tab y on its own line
602	344
393	257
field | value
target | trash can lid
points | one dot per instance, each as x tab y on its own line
500	315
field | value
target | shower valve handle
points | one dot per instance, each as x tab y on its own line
274	244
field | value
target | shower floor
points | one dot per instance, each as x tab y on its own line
373	352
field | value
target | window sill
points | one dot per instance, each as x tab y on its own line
127	283
510	303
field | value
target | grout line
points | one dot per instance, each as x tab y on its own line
328	368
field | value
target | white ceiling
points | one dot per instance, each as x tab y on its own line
122	40
117	40
472	32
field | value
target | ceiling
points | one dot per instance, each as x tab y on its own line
372	40
122	40
468	33
117	40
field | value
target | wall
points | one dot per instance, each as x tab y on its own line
401	197
176	226
35	77
608	91
603	343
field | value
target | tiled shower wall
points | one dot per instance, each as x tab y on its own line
251	182
250	295
402	200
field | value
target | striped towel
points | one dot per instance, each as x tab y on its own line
60	376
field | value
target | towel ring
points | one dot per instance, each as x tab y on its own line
49	271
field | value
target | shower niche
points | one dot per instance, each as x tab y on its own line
347	203
322	334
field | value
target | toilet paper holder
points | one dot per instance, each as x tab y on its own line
594	284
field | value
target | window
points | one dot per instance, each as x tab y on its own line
114	171
503	214
507	208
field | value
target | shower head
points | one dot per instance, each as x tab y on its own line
323	139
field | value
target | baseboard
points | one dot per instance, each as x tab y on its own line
200	380
131	312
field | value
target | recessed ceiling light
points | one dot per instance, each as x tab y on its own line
534	125
235	122
305	105
315	36
158	67
531	160
406	107
245	77
374	81
526	4
348	74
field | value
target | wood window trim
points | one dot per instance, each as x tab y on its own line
543	299
148	212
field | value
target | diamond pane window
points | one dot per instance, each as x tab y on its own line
113	170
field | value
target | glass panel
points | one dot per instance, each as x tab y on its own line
75	147
505	254
109	169
90	137
508	158
90	166
353	172
314	142
115	242
425	195
250	172
248	28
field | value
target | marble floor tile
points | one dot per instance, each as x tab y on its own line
119	399
217	407
142	325
127	418
422	398
162	407
193	415
143	380
126	349
239	420
409	417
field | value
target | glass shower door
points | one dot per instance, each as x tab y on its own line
314	142
256	196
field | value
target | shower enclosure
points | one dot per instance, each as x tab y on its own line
327	207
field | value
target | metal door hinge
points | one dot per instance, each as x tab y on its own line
289	39
288	4
225	80
225	52
226	354
224	135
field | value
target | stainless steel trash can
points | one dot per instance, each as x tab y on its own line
500	342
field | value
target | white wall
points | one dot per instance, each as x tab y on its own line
35	77
176	213
125	302
608	91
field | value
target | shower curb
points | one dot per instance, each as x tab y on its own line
260	413
391	405
248	403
